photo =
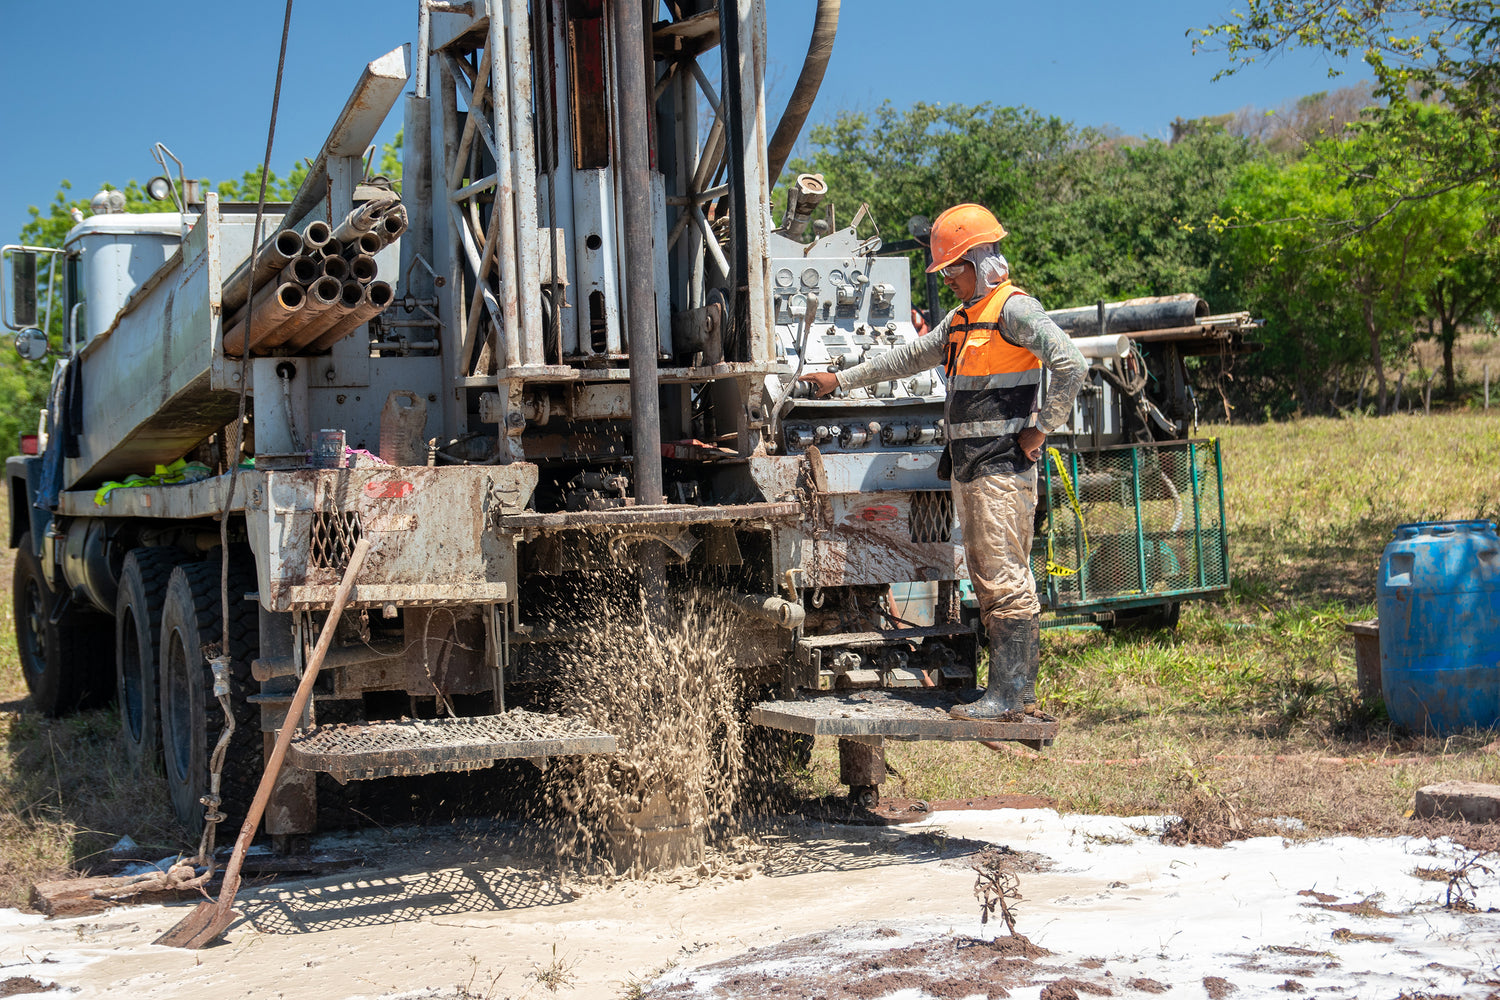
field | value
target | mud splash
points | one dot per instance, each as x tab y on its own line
658	670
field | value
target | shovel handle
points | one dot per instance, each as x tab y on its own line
231	883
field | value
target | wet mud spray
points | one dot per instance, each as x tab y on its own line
659	670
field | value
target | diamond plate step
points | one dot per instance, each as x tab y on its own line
901	715
425	746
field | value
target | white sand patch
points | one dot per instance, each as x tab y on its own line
444	915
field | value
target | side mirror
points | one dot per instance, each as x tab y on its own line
31	344
23	283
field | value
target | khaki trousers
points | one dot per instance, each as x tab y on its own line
996	514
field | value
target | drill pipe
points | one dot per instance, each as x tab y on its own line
393	224
350	294
364	218
276	305
378	295
336	268
272	256
1132	315
303	270
322	297
362	268
369	243
316	234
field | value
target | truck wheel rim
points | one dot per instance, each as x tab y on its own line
132	703
35	644
177	717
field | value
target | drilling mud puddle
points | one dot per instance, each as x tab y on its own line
803	908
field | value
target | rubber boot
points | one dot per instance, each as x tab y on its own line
1009	642
1033	662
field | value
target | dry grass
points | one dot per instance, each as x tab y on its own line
1248	709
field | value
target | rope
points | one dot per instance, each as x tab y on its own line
221	671
1055	568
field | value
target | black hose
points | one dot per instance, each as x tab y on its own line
819	48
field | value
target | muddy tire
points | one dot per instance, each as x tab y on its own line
68	665
138	608
191	719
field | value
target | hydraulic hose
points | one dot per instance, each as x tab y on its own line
819	48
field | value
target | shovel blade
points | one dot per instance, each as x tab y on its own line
205	925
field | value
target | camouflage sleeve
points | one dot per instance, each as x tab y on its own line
1026	325
921	354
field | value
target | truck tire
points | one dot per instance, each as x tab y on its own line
143	590
67	666
191	719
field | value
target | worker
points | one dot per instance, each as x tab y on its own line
992	349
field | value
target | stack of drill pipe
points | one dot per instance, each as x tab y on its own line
322	292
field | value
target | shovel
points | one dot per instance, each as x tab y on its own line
211	919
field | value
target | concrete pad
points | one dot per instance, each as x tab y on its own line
1466	800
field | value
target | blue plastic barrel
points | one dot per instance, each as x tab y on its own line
1439	599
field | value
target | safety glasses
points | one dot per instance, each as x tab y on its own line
954	270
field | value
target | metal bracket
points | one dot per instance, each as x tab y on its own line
678	538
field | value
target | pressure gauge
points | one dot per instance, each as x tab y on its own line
784	278
836	277
797	306
811	277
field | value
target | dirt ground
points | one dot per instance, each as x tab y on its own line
814	909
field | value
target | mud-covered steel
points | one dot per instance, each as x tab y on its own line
417	746
640	293
1132	315
433	533
906	715
867	538
664	514
275	254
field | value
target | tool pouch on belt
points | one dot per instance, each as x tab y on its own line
945	465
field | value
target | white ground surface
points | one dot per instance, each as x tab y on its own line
441	915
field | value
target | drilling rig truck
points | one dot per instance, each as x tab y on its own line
571	338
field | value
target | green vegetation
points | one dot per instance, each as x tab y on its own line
1252	700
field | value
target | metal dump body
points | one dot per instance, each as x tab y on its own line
148	386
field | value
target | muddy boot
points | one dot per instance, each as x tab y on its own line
1009	640
1028	689
1033	661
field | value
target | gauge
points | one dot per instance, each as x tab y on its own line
797	305
855	277
811	277
784	277
836	277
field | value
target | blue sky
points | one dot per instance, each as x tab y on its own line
94	84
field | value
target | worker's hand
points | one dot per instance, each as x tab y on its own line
1030	442
823	383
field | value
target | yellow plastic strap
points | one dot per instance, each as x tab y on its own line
1053	567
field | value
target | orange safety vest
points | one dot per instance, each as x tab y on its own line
992	389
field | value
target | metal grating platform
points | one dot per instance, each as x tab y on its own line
902	715
424	746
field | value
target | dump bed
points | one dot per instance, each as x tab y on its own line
153	381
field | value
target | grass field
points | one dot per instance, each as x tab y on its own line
1247	710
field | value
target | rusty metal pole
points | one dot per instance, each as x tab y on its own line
640	291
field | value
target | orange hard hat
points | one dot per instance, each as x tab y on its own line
959	230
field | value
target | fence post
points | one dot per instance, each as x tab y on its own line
1486	385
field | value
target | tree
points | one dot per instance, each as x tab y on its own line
925	159
1420	52
1294	242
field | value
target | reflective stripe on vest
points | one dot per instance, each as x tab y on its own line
992	383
